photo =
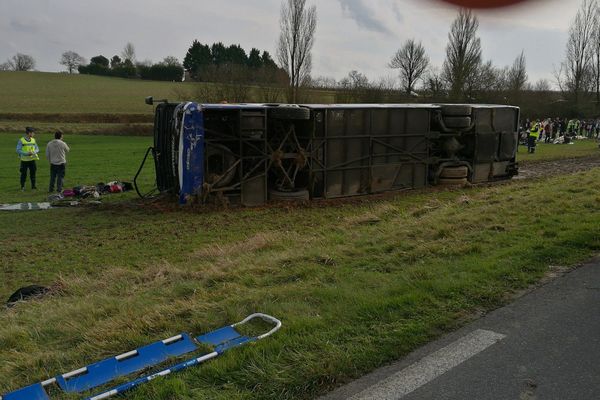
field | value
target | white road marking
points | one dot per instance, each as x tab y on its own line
430	367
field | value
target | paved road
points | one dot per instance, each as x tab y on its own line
546	345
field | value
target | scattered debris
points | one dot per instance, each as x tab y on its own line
26	293
464	199
25	206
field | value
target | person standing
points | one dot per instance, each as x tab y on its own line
548	131
56	153
28	150
534	135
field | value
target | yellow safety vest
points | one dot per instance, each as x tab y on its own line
535	132
28	146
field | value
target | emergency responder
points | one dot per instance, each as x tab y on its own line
28	150
534	134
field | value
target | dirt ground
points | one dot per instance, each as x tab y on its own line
168	203
557	167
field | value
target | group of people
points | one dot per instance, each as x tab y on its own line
56	154
557	130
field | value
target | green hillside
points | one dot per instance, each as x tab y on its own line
43	92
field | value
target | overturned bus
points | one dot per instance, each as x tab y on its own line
252	153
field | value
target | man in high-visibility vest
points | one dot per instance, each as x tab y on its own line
28	150
534	134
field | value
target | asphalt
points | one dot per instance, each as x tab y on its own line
545	345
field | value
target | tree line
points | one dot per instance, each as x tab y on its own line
464	75
126	66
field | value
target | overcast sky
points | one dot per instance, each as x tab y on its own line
351	34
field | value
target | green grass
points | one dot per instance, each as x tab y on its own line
548	152
356	285
79	128
92	159
28	92
44	92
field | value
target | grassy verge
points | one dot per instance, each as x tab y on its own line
356	286
548	152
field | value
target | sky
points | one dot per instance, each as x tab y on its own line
351	35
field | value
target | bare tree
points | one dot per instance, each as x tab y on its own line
323	82
21	62
596	52
463	53
575	72
412	62
171	61
71	60
434	83
354	80
542	85
128	53
5	66
294	52
482	82
517	74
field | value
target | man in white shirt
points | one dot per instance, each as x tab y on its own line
56	153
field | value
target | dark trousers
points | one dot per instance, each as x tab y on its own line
32	167
57	174
531	144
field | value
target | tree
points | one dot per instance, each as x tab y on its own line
100	60
115	61
355	80
71	60
128	53
542	85
254	60
236	55
21	62
219	53
596	53
197	57
434	83
171	61
463	53
267	60
575	74
412	62
517	74
5	66
483	81
294	52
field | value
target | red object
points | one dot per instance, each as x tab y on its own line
484	3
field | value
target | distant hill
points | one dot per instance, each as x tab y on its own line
44	92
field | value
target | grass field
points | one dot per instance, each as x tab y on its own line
92	159
356	285
546	152
81	103
43	92
30	92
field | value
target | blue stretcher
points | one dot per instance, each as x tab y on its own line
104	372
